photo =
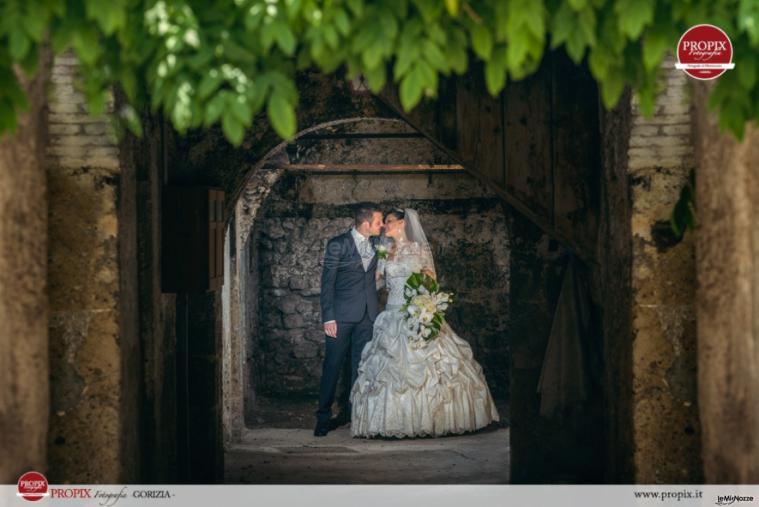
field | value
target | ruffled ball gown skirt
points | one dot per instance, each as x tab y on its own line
403	390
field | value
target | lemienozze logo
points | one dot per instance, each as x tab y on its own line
704	52
32	486
731	499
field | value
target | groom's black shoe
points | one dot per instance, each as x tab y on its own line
341	419
321	430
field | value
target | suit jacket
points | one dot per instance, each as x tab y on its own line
346	289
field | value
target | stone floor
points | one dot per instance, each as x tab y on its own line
279	448
295	456
298	412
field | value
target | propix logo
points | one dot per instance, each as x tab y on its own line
704	52
32	486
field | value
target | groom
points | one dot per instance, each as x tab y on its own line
349	304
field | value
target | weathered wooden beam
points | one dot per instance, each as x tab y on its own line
361	135
389	96
374	168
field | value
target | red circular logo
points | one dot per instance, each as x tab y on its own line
704	52
32	486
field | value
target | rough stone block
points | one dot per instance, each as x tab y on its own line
294	321
299	283
305	349
287	305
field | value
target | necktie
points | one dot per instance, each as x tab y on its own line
366	252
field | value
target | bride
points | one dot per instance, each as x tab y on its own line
407	391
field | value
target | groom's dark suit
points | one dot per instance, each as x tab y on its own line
349	297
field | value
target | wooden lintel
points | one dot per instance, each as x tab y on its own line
359	135
376	168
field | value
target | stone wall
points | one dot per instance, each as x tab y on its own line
466	225
664	396
157	310
94	349
612	291
727	307
24	379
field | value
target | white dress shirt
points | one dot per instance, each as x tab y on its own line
362	242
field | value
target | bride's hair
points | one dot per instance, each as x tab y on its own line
397	213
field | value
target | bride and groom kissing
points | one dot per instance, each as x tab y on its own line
398	389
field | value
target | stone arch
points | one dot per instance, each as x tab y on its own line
240	292
205	157
264	174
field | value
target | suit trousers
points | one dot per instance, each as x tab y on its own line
351	336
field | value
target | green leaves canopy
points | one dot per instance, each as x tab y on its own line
203	62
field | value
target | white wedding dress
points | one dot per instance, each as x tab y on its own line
404	390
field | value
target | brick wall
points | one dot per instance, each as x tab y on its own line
76	138
663	140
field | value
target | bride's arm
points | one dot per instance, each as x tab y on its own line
380	276
428	266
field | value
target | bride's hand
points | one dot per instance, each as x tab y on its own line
429	273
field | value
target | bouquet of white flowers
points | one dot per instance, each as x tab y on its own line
425	307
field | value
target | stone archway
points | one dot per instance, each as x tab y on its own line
240	311
484	245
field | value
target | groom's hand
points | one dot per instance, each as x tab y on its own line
330	329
